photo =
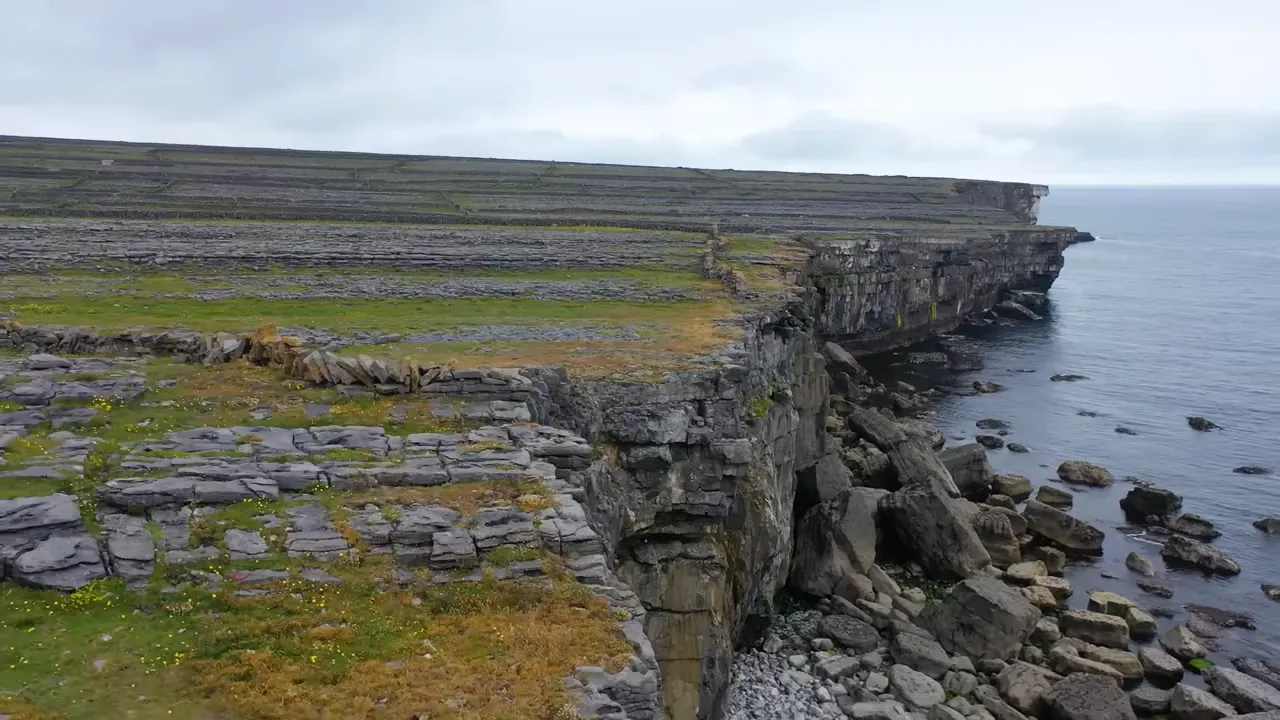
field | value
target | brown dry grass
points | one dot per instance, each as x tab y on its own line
466	498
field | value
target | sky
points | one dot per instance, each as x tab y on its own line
1079	92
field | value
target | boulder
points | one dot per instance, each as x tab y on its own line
1065	659
1083	696
1061	529
1142	626
1041	597
1192	703
1270	525
990	442
840	360
982	618
1251	470
1179	550
1246	694
1202	424
1140	564
36	516
987	387
1011	309
1181	643
1109	603
1079	472
920	653
996	533
1122	661
1096	628
1192	525
1060	587
45	361
969	468
1148	700
1056	497
994	705
1015	486
1055	561
932	525
1144	501
992	424
849	633
1024	686
61	562
915	689
1271	591
1025	573
1160	668
836	540
1267	672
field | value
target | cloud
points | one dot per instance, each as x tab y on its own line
1000	89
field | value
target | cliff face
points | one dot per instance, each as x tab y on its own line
696	489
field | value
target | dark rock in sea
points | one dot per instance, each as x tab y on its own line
1069	533
1087	413
1192	525
987	387
1125	431
991	442
1270	525
1162	611
1202	424
1264	670
1084	237
1067	377
1011	309
992	424
1156	589
1018	448
1223	618
1272	591
1143	502
1252	470
1037	301
1179	550
1079	472
1139	564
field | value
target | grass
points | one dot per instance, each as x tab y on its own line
364	649
466	498
210	529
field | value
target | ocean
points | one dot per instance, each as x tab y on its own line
1174	311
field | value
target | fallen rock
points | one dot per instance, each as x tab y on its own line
1223	618
836	540
1270	525
994	705
1014	486
1252	470
842	361
1268	673
1181	643
920	653
981	618
849	633
1079	472
1246	694
1109	603
1148	700
1192	703
996	533
1142	626
914	688
1011	309
61	562
1156	589
970	470
1019	448
990	442
1144	501
1192	526
1096	628
1063	530
932	525
1272	592
1122	661
1055	497
1202	424
44	361
1024	686
992	424
1160	668
1059	586
1055	561
1025	573
1122	430
986	387
1083	696
1139	564
1066	659
1185	551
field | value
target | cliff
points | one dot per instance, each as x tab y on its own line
673	317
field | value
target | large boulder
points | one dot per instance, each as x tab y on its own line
1192	703
996	533
851	633
915	462
982	618
1025	685
841	361
1079	472
1179	550
61	562
933	526
1094	627
1181	643
1192	525
1017	487
920	653
39	516
1142	502
1084	696
1266	671
1160	668
836	540
969	468
1246	694
1051	524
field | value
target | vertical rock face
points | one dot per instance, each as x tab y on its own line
696	489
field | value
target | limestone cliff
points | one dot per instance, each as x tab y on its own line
696	488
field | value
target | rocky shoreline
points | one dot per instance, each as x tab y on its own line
1003	643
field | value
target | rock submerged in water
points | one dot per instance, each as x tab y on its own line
1185	551
1143	502
1202	424
1125	431
1269	525
1252	470
1055	497
987	387
1080	472
1140	564
1272	591
1192	525
1018	448
1067	377
992	424
990	442
1063	530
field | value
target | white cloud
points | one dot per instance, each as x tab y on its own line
1086	91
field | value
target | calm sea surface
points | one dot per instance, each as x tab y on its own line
1175	311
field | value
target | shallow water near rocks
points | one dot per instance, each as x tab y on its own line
1175	311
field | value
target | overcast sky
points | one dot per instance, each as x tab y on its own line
1072	91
